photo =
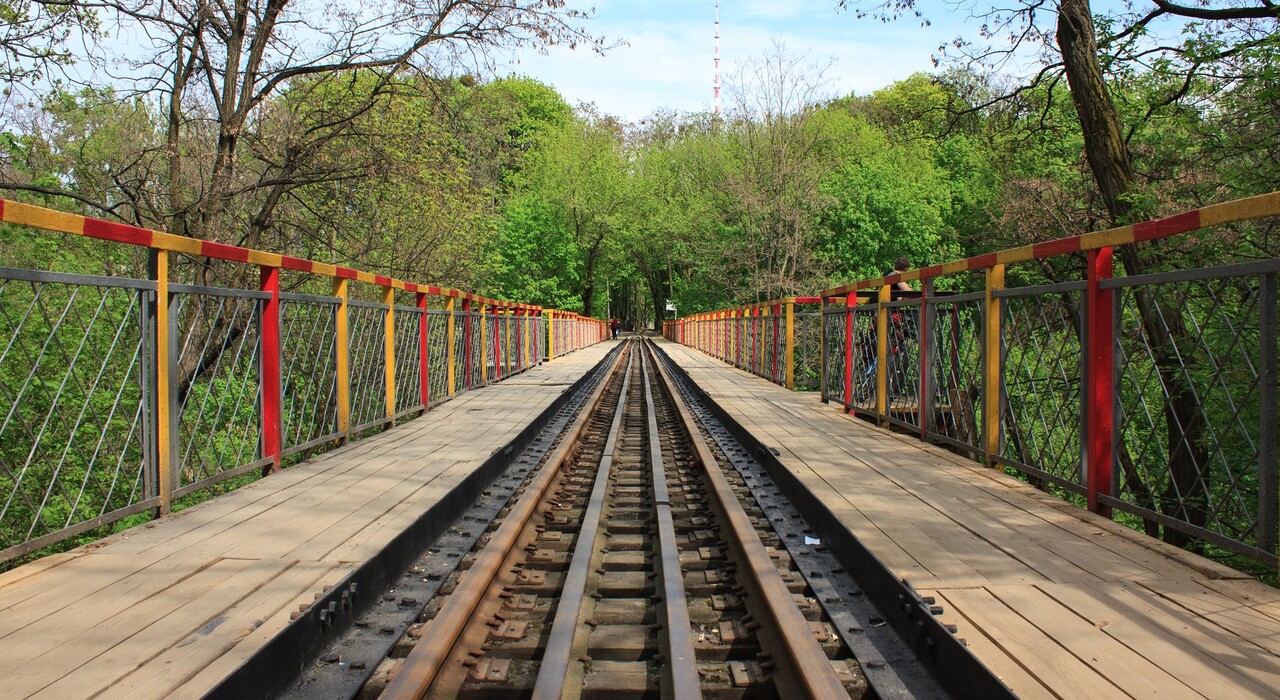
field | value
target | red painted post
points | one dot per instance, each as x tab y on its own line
466	343
424	358
851	300
269	367
1099	378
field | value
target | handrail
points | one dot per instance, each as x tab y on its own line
121	396
1154	396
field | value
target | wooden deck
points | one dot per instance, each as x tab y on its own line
1056	601
170	608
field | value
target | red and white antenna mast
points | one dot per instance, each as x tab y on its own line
716	88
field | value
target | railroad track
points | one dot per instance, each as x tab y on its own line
634	548
628	566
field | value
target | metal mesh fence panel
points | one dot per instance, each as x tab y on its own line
308	369
217	382
73	363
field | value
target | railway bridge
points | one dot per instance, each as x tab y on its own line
233	473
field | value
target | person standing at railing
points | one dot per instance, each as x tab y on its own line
900	265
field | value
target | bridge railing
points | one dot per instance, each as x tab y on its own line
568	331
1150	398
121	394
779	340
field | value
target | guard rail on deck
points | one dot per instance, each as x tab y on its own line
1149	398
120	394
779	340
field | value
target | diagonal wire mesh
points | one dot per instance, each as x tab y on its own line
775	364
460	351
865	339
835	341
438	354
808	351
476	353
217	383
1042	331
903	401
1190	457
72	364
408	354
367	323
308	370
956	361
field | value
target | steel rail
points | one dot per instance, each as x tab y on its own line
812	668
425	661
558	654
682	671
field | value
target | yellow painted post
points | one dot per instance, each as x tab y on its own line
452	336
484	345
389	348
882	356
342	352
993	370
790	312
164	417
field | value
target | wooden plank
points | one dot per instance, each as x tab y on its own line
1009	670
181	617
1185	632
1250	625
105	610
52	653
211	652
96	587
1209	660
1134	674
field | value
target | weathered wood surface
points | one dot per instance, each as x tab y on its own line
1057	601
170	608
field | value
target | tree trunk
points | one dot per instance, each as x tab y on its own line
1104	143
1186	495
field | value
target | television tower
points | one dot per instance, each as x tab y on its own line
716	88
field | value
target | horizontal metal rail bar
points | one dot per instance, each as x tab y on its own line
1057	288
1056	480
1261	267
79	528
331	437
957	298
1268	558
221	476
23	275
224	292
310	298
367	305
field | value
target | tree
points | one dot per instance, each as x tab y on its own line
33	37
775	167
216	67
580	172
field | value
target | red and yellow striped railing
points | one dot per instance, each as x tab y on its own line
759	338
482	340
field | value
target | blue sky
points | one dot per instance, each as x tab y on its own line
667	62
